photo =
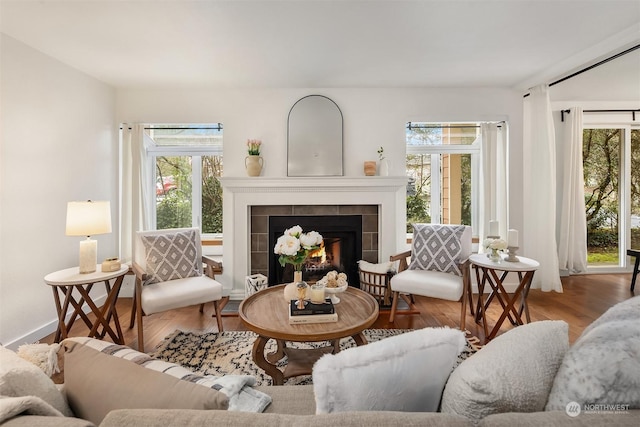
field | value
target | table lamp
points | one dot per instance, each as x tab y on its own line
88	219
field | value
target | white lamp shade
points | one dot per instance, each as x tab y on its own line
88	218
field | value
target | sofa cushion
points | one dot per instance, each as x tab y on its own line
436	247
171	418
561	419
405	372
97	382
512	373
42	421
603	365
21	378
171	256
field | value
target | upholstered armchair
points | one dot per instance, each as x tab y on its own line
172	273
438	267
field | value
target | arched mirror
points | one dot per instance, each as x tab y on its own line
314	138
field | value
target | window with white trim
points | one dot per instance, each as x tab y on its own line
442	164
187	164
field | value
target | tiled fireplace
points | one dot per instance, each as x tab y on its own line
350	233
250	202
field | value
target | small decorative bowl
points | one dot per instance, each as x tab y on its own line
333	291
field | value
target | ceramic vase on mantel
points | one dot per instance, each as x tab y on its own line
253	164
370	168
384	168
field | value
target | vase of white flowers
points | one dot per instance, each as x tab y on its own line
383	169
494	247
294	248
253	162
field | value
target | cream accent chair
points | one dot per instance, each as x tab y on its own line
434	284
199	288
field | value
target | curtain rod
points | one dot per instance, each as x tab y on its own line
633	112
217	127
597	64
410	126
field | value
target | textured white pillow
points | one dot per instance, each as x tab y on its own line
625	310
380	268
512	373
21	378
603	365
405	372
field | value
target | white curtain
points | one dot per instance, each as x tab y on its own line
135	211
539	189
493	185
572	221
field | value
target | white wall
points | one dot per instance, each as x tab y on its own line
372	118
59	143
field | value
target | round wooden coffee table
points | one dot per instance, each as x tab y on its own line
267	314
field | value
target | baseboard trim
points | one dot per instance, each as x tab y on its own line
50	327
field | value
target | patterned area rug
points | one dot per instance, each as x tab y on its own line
229	352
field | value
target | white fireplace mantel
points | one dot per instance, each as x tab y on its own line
388	193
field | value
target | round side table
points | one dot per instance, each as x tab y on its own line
65	282
525	268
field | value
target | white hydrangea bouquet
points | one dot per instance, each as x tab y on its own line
497	244
294	246
494	247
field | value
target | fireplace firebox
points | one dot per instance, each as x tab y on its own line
342	237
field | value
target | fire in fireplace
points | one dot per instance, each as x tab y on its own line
342	247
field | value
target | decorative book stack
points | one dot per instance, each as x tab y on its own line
312	313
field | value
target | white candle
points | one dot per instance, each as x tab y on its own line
512	241
317	293
494	229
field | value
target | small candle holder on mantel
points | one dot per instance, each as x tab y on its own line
511	254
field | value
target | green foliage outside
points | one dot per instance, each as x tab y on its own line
602	156
416	212
174	207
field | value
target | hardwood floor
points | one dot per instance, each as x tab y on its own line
584	299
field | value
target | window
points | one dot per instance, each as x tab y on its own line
611	162
187	162
443	168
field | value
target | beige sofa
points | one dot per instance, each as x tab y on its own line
541	373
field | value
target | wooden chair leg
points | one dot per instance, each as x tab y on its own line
218	314
139	319
635	274
132	321
394	306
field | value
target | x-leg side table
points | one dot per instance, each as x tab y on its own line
65	282
525	268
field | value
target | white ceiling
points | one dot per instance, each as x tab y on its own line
303	43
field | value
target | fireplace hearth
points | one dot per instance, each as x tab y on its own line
342	238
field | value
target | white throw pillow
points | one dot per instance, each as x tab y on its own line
603	365
21	378
512	373
380	268
405	372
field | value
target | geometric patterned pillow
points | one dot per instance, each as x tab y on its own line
436	247
171	256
